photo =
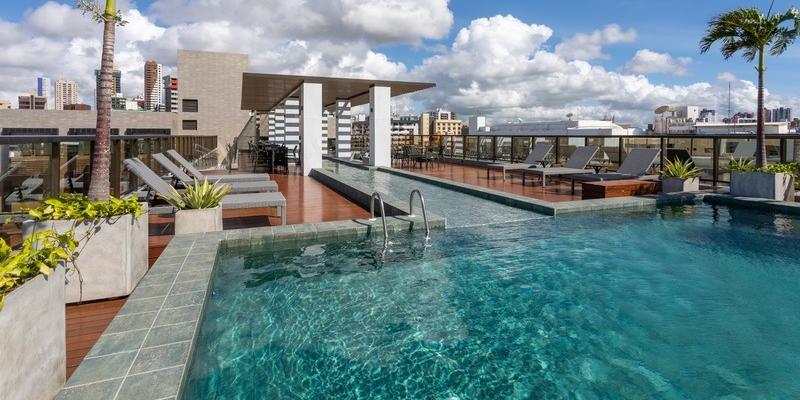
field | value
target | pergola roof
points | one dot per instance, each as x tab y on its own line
263	92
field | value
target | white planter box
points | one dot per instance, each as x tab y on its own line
33	343
762	185
112	261
676	185
197	221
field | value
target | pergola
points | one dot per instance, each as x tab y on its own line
266	92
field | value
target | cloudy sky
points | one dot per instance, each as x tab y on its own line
535	60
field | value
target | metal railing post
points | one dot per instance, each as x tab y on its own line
715	161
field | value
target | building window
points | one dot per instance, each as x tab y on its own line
190	125
189	105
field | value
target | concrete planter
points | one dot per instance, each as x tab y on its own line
111	262
676	185
197	221
33	343
762	185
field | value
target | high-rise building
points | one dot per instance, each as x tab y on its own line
116	81
153	88
43	89
32	102
66	93
781	114
170	94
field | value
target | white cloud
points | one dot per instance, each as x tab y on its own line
588	47
499	65
646	61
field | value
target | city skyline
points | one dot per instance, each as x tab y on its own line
504	60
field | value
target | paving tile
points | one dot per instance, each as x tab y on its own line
131	322
150	291
158	277
95	391
152	385
192	275
170	334
178	315
166	356
118	342
139	306
190	286
102	368
185	299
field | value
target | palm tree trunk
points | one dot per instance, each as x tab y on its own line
761	139
100	184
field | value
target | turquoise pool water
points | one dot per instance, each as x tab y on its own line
459	209
683	302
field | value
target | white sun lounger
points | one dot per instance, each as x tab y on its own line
635	166
229	202
576	164
235	187
193	171
535	158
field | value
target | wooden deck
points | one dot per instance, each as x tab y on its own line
307	200
554	191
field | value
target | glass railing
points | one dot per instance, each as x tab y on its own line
33	168
711	153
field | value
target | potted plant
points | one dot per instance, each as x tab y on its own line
680	176
198	207
774	182
112	255
32	319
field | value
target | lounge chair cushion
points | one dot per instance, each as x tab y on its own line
253	200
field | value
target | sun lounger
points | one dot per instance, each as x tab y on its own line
576	164
635	166
229	202
536	157
236	187
744	150
193	171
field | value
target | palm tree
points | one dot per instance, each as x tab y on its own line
751	32
100	184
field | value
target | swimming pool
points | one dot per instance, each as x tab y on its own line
459	209
679	302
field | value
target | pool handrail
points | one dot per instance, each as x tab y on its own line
424	213
383	215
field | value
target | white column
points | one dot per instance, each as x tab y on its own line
344	125
310	126
380	126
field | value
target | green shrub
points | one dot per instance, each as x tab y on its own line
790	169
78	207
40	254
198	196
680	169
741	165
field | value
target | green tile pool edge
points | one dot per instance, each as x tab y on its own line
147	349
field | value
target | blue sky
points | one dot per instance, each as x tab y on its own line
386	45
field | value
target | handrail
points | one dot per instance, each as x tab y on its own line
424	213
383	215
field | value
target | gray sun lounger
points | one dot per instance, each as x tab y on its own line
536	157
229	202
236	187
576	164
635	166
193	171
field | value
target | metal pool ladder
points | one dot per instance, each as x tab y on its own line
383	215
424	213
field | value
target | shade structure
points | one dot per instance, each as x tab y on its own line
264	92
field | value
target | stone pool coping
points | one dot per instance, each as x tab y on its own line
550	207
781	207
145	352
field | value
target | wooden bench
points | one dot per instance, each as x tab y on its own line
619	188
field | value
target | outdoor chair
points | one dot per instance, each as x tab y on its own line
157	185
576	164
635	166
194	172
536	157
236	187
